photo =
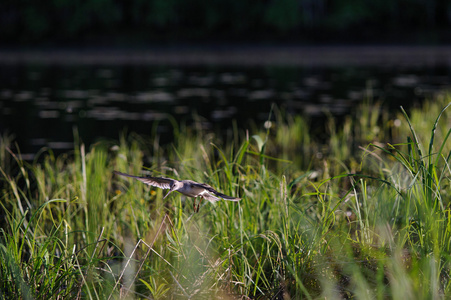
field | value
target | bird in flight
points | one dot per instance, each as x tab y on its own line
186	187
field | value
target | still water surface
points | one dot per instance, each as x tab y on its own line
41	103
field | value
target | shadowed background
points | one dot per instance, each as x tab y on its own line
138	22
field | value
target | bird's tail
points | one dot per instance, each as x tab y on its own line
228	198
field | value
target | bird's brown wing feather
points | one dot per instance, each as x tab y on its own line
160	182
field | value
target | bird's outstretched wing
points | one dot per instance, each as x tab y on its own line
215	192
160	182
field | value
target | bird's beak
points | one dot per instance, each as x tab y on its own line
170	191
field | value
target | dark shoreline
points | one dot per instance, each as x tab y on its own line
235	55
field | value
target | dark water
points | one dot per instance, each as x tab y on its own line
41	103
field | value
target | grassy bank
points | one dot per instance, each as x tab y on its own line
363	213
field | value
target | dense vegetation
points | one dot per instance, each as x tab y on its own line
247	20
364	214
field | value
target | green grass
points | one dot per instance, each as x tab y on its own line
364	214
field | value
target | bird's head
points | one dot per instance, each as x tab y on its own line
174	187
